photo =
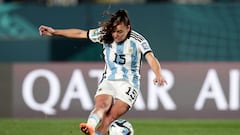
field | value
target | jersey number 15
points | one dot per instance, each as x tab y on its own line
120	59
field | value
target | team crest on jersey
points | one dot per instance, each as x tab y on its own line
145	46
130	50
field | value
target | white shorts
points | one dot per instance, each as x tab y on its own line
119	89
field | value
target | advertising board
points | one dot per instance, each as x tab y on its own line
194	90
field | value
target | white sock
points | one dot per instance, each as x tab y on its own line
93	120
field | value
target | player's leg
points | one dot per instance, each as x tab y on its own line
117	110
126	96
103	103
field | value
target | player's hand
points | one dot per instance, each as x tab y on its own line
45	30
159	80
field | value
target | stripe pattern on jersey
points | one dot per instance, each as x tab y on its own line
123	61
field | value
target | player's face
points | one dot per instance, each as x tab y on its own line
120	33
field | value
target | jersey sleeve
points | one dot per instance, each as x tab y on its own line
95	35
145	47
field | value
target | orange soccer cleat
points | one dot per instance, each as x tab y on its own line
87	129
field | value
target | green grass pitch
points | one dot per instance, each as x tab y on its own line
48	126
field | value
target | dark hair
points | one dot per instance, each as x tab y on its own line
121	16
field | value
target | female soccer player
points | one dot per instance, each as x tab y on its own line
123	49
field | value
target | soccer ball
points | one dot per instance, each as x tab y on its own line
121	127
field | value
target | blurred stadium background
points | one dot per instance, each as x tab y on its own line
196	41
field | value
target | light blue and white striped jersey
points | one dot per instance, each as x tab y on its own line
123	60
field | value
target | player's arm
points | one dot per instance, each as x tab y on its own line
156	68
70	33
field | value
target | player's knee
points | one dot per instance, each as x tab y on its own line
104	107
